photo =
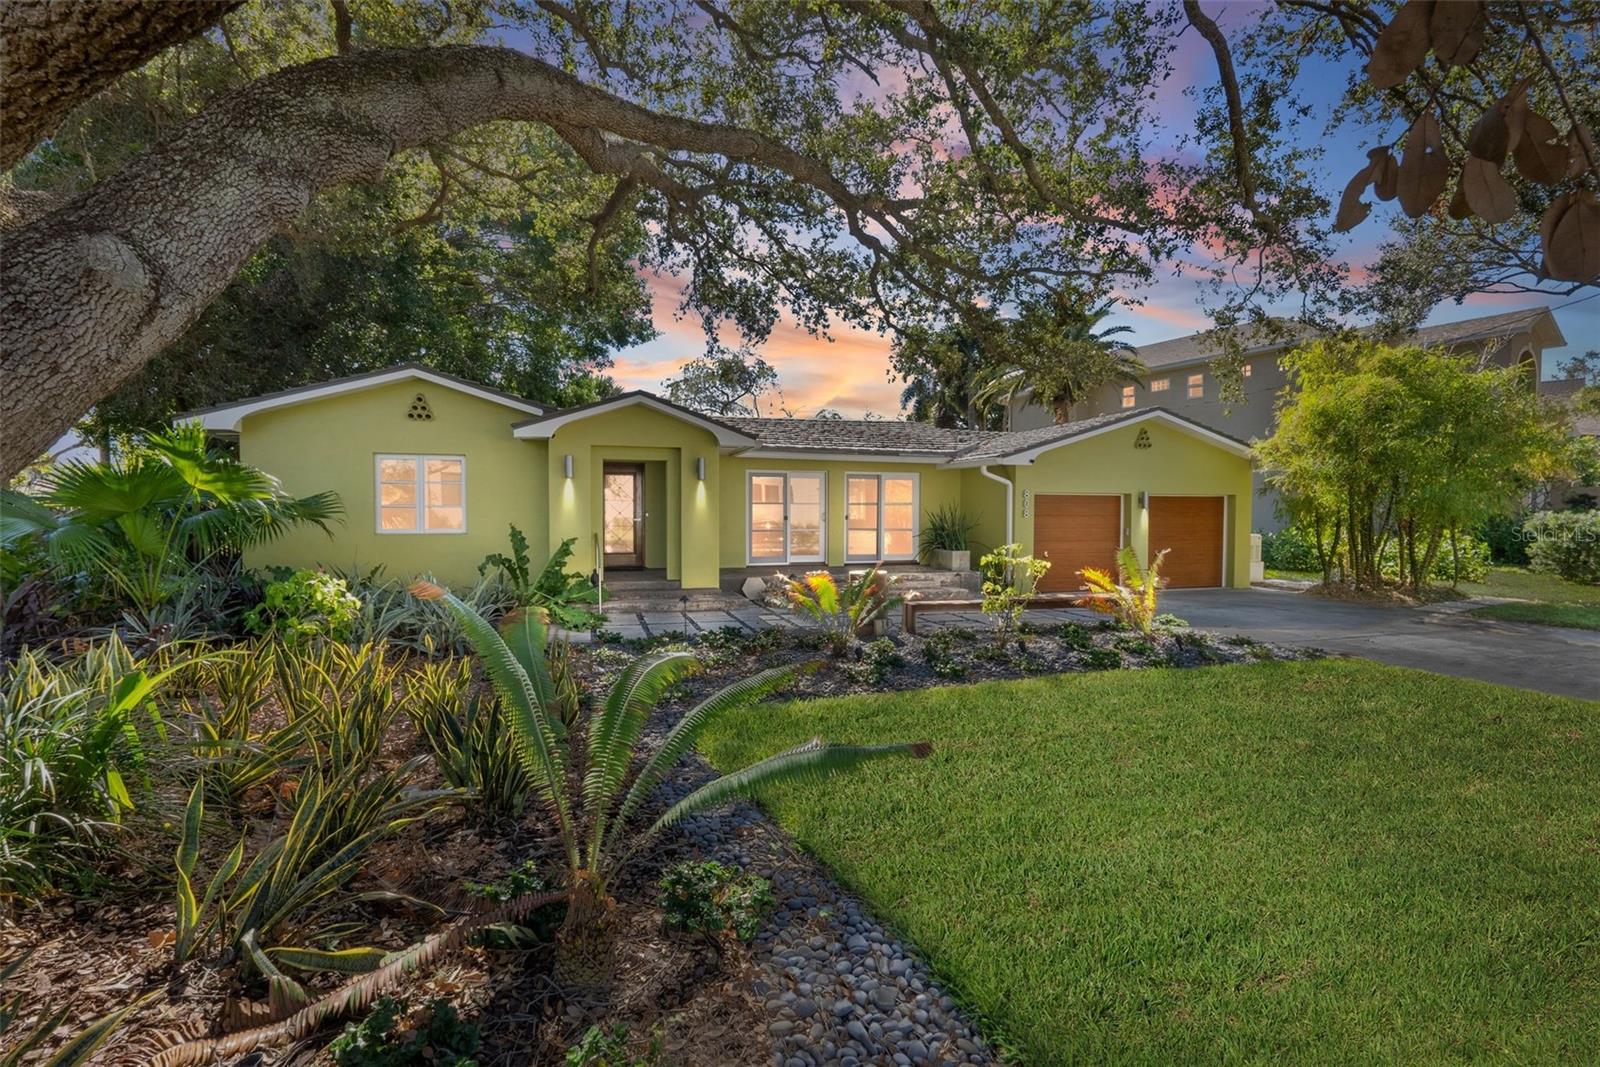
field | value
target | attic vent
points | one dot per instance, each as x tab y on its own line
420	411
1143	440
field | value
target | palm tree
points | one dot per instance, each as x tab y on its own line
147	520
588	782
1055	352
940	368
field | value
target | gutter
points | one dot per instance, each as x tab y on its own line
993	477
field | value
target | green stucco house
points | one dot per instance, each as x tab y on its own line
433	469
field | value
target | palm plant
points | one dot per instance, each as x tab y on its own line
1056	352
586	776
145	521
1130	598
844	612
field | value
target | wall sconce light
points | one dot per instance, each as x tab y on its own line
1144	500
566	464
700	468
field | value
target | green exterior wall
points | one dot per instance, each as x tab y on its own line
1175	464
693	528
331	443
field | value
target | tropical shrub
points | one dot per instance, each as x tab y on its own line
594	813
73	741
1292	548
391	615
845	612
566	595
1566	543
464	725
1130	598
1461	558
436	1037
1503	533
307	604
873	661
609	1047
145	522
938	651
1009	580
949	529
713	898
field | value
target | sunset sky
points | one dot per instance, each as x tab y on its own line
849	371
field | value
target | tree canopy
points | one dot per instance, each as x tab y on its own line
887	163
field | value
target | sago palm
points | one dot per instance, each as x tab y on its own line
1130	597
145	519
587	778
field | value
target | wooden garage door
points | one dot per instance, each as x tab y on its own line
1074	532
1191	527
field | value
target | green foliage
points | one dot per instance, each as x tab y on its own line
308	604
1502	532
608	1047
519	881
593	813
949	529
1130	597
943	368
723	382
562	593
873	661
939	652
1095	658
150	520
845	612
436	1038
465	727
1056	351
1377	444
1461	558
1566	543
391	615
73	757
1292	548
1009	580
710	897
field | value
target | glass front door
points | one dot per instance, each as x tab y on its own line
880	517
788	517
623	515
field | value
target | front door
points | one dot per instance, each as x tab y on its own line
622	514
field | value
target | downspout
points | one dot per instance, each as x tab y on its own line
993	477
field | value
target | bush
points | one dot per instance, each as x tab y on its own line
1503	535
938	649
1474	561
437	1038
1566	543
1101	659
874	661
1290	549
711	898
307	604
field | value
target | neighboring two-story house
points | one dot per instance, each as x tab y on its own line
1179	379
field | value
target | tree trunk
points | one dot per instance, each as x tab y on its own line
55	56
94	290
587	941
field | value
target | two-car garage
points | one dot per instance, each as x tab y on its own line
1078	530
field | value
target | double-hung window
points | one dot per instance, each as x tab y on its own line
1128	398
421	494
880	516
1197	386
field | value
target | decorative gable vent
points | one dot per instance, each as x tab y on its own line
1142	440
420	411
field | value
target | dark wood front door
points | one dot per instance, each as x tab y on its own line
622	514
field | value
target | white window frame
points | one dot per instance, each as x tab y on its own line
1196	387
421	460
1130	396
1160	385
916	515
788	501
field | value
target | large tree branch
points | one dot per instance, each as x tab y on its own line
1230	91
55	55
94	290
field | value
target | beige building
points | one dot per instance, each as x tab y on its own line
1180	379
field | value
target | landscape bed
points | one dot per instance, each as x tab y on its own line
1319	862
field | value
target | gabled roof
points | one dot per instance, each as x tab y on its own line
1024	446
225	418
1281	333
546	425
868	436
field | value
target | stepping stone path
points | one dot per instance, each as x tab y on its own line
841	990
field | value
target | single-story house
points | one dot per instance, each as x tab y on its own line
433	470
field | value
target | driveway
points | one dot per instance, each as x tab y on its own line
1439	639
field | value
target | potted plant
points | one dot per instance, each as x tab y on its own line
946	541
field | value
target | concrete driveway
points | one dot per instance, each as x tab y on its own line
1440	638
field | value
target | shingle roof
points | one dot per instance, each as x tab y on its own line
1278	333
858	435
1005	444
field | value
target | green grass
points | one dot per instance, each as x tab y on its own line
1532	585
1580	616
1321	862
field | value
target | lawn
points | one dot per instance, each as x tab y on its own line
1532	585
1319	862
1579	616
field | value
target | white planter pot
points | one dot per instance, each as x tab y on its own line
951	560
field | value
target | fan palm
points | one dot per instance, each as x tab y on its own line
1057	352
145	520
586	778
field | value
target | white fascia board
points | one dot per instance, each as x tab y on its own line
227	419
1193	429
546	428
934	459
